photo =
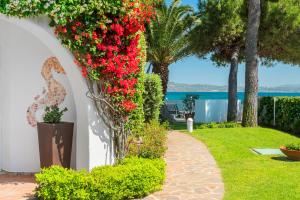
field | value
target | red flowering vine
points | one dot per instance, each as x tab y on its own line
107	50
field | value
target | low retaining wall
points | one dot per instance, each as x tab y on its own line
211	110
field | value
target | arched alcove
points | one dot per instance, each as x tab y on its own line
25	45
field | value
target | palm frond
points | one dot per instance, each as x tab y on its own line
167	34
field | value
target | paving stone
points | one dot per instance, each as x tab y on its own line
16	186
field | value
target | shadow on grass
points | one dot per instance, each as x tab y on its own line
282	159
178	126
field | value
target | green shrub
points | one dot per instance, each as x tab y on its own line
218	125
296	126
287	115
265	111
133	178
151	143
59	183
153	97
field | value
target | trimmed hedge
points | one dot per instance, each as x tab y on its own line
287	111
153	97
218	125
133	178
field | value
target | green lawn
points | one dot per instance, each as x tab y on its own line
249	176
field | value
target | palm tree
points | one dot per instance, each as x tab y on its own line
251	77
167	38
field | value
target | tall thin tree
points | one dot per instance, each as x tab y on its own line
251	77
221	34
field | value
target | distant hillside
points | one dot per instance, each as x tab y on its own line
182	87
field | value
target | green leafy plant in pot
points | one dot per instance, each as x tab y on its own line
292	151
55	138
189	105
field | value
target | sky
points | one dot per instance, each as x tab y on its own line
198	71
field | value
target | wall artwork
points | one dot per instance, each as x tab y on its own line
54	94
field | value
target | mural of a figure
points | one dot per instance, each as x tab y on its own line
54	94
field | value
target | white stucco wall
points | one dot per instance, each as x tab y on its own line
24	46
21	81
211	110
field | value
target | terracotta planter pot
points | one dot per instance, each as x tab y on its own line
55	143
291	154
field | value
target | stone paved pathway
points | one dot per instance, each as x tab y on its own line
192	173
16	187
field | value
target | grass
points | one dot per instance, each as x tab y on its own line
178	126
248	176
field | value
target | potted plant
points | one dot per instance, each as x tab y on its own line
55	138
292	151
189	105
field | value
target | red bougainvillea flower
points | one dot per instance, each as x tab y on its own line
94	36
107	49
84	72
77	37
118	29
129	106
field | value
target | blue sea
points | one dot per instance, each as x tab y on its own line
224	95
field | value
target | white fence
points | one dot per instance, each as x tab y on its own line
210	110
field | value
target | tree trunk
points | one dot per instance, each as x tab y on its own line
163	72
251	77
232	114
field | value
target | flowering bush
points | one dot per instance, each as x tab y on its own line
107	50
104	37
